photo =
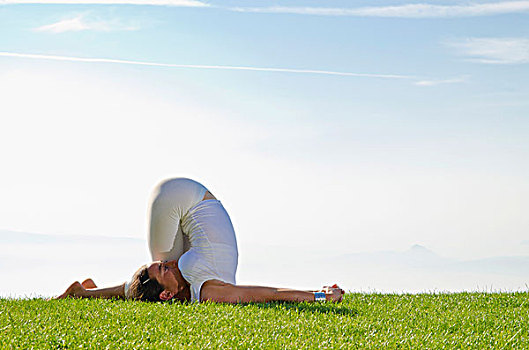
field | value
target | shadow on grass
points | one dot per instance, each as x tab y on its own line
320	308
313	308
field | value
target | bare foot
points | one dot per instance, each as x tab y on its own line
88	284
76	290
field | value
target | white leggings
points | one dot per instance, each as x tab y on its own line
169	205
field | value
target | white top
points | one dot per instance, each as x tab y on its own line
213	253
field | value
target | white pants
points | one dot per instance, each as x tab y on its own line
169	205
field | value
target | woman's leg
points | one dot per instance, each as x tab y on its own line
170	201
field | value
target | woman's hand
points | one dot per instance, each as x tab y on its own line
333	293
75	290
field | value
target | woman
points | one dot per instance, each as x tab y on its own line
192	241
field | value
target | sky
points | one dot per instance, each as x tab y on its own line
337	126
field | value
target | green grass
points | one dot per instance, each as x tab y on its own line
435	321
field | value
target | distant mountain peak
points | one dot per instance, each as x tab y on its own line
420	249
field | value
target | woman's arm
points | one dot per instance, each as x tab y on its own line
77	290
221	292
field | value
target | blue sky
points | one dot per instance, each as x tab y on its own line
366	124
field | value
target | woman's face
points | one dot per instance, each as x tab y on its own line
167	275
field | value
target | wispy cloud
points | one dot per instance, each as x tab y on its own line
186	3
441	81
193	66
493	50
400	11
403	11
80	23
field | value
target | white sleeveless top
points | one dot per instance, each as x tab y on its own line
213	253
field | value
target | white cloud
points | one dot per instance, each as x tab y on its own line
441	82
186	3
403	11
66	25
493	50
80	23
192	66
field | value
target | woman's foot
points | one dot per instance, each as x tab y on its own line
75	290
89	284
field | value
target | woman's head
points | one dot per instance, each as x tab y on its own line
143	288
158	281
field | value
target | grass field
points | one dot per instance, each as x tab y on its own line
475	320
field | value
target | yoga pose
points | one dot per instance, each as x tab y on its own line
193	245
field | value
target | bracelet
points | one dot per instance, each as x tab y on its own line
319	296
